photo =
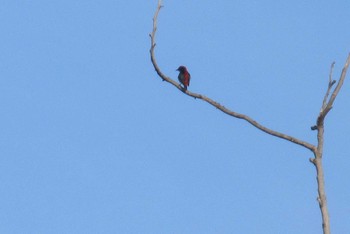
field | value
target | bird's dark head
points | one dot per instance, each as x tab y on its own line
181	69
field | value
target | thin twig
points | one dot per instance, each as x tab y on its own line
331	82
339	85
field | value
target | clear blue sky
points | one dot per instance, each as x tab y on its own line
92	141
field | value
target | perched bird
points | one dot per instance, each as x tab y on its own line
184	76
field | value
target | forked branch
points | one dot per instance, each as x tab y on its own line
317	161
327	105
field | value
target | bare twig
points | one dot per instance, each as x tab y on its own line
339	85
214	103
327	106
331	82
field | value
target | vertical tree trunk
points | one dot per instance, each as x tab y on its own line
317	161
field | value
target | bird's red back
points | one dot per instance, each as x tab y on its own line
187	78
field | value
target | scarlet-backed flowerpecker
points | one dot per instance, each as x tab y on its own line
184	76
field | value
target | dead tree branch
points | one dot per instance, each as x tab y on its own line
331	82
212	102
317	160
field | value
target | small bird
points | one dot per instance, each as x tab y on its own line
184	76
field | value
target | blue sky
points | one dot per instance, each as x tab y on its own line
92	141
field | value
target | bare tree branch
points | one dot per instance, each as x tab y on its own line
338	87
317	161
331	82
340	83
214	103
327	106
